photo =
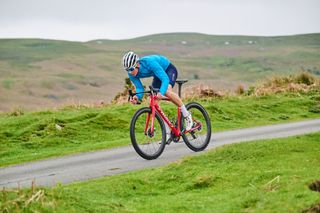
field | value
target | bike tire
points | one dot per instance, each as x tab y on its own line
204	135
140	141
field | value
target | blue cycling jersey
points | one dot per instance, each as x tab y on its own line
152	65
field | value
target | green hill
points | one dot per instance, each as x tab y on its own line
37	73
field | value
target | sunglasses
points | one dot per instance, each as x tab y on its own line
131	69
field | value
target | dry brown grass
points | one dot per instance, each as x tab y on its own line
79	105
301	82
192	92
240	89
315	186
122	97
21	200
313	209
202	91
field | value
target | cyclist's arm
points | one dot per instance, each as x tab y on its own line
162	75
138	85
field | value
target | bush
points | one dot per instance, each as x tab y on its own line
240	89
122	97
302	82
305	78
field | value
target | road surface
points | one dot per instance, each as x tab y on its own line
90	165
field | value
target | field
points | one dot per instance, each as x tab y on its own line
36	74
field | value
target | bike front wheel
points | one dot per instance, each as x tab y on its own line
199	138
148	143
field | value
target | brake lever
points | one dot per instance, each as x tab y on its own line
131	94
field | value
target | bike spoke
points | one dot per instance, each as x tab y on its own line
199	136
147	142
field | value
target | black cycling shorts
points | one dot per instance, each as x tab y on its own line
172	74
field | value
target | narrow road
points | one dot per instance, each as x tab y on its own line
86	166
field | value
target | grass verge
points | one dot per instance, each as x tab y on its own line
30	136
265	176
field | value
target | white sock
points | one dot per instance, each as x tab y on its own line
184	111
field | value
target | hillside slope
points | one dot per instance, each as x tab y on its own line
37	73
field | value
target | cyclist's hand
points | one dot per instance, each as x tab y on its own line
135	100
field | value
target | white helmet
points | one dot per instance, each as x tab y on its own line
129	60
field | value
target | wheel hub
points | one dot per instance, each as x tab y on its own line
150	134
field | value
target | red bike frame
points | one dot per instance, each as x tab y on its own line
156	108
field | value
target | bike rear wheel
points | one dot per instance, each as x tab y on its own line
148	145
198	139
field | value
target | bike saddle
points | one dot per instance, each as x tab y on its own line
181	81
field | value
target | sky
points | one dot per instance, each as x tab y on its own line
84	20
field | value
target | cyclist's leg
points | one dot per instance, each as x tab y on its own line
173	74
174	97
156	83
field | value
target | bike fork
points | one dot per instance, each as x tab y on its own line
152	116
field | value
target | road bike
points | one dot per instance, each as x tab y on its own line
148	127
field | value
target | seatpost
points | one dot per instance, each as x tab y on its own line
180	82
180	85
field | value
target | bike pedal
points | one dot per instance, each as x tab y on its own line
193	135
169	141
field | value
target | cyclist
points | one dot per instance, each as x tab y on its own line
164	76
